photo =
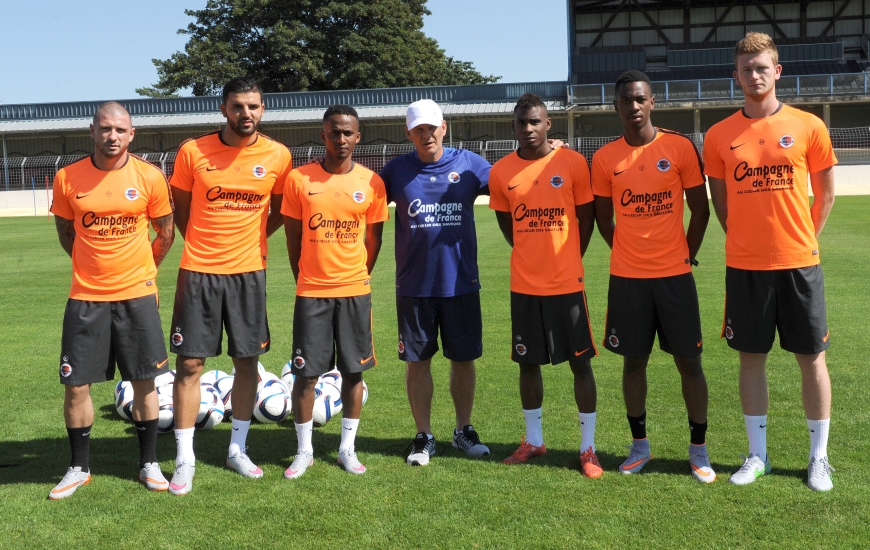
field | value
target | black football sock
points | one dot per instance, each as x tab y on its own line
146	431
697	432
637	425
80	445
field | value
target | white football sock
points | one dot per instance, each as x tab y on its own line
184	446
303	437
756	430
348	433
238	436
534	427
818	437
587	431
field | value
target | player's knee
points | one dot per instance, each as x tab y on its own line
188	367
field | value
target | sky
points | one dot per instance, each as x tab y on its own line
61	50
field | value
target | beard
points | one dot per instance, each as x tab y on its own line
243	132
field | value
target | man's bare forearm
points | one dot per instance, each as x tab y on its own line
165	237
66	233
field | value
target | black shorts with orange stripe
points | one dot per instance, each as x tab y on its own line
760	303
550	329
206	303
332	331
97	335
638	309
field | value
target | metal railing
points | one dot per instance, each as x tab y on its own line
725	88
851	145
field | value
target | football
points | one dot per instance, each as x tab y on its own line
224	386
332	377
327	403
287	376
210	377
211	408
165	379
124	400
273	404
166	414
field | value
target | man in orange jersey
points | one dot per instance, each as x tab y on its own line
102	207
334	215
223	185
758	161
544	206
641	177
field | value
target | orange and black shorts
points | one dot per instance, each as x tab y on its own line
550	329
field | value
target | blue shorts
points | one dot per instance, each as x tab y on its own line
458	318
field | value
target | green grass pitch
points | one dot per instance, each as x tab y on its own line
455	502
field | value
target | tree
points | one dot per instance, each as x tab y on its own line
299	45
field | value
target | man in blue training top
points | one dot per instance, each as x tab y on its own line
437	281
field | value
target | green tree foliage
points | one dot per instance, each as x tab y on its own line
298	45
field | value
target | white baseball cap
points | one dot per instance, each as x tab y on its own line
424	111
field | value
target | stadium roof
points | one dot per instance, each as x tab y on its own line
286	108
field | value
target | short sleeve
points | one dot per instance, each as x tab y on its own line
601	184
497	200
60	205
291	206
714	166
481	168
281	180
582	181
387	177
691	169
820	152
159	202
182	172
378	211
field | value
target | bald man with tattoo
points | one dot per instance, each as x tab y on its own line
103	205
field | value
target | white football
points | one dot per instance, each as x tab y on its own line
273	383
165	379
327	403
265	376
332	377
287	376
124	400
211	408
260	368
224	386
210	377
365	392
165	390
166	414
273	404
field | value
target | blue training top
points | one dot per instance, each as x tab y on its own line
436	243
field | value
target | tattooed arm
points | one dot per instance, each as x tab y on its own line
165	235
66	233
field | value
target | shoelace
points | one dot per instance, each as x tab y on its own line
634	453
465	441
748	464
822	469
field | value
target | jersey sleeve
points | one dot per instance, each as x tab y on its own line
582	181
481	168
159	202
281	180
714	166
378	211
60	205
497	199
601	184
820	152
691	168
291	206
387	177
182	172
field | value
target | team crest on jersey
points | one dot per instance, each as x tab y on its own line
259	171
521	349
432	179
299	362
401	347
453	177
613	341
65	370
131	194
663	165
729	333
177	339
786	141
557	181
359	196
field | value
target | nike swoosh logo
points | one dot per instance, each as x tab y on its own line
763	426
633	464
86	434
264	344
140	428
736	146
514	187
699	344
317	193
812	431
80	196
211	169
825	339
364	361
235	429
700	472
621	171
579	353
160	364
349	429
